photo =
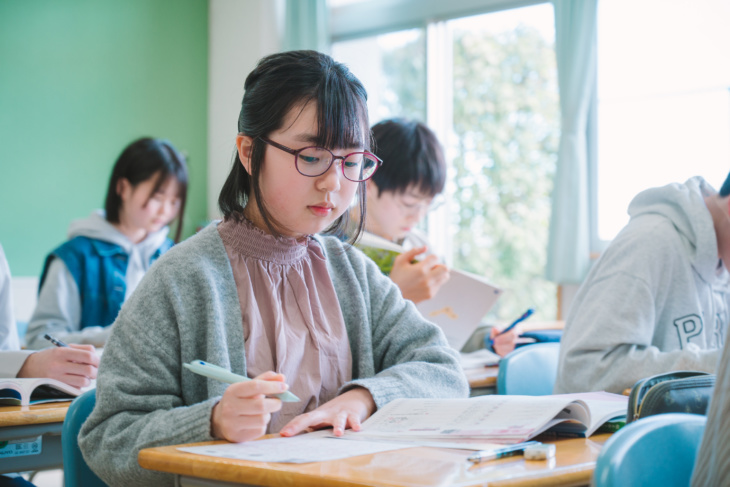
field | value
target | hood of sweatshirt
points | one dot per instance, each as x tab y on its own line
684	205
96	226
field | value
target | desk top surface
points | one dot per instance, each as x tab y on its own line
573	465
53	412
482	376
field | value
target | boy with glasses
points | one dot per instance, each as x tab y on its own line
405	188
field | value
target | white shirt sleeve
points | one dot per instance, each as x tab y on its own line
11	361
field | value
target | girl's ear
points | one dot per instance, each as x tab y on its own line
123	188
244	144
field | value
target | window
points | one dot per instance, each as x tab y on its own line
663	99
489	90
393	69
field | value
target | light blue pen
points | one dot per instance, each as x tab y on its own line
219	373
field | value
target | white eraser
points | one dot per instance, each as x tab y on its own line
540	452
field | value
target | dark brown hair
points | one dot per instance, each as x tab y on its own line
279	83
144	159
413	156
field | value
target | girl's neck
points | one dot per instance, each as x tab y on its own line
134	234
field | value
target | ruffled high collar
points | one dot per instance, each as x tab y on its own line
244	238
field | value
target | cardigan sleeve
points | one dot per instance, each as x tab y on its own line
396	352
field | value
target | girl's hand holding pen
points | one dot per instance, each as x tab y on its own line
244	411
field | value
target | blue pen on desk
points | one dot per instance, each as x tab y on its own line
219	373
519	320
507	451
55	341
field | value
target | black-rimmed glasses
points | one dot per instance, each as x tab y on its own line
315	161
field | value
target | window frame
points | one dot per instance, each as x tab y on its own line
376	17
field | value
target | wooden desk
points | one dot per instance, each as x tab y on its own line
480	377
28	423
573	465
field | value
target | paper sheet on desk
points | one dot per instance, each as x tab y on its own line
319	446
479	358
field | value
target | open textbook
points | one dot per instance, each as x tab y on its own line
460	304
23	392
496	418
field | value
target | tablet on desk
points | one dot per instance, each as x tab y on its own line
460	305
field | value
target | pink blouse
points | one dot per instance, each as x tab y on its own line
292	322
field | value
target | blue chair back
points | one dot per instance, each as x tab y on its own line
75	470
656	450
529	370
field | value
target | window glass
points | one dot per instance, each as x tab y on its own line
664	99
501	143
503	149
393	69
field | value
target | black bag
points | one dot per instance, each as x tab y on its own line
682	391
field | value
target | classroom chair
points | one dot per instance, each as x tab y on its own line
529	370
656	450
75	470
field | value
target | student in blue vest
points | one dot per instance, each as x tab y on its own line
85	281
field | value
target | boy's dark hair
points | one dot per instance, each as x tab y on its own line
279	83
141	160
412	156
724	191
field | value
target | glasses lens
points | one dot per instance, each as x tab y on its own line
313	161
359	166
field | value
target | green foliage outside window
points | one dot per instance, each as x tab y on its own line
506	130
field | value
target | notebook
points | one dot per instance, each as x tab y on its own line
24	392
460	304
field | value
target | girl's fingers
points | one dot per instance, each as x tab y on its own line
339	423
353	420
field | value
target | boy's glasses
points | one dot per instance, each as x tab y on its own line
421	207
315	161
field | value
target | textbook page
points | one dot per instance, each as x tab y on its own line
23	392
501	419
319	446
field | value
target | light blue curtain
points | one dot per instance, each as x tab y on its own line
568	257
306	25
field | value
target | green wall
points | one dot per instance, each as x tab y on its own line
79	80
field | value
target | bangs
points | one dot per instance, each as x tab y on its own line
342	118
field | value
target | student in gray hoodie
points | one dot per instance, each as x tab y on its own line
657	300
85	280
